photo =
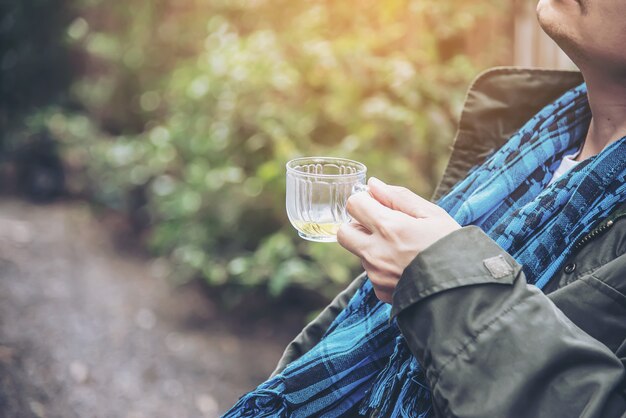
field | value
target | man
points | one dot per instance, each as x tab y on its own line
520	312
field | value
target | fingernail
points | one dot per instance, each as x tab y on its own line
377	182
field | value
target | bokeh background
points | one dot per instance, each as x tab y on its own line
147	264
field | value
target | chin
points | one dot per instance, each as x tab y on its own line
551	19
559	25
559	16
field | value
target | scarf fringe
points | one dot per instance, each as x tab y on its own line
261	403
415	397
397	382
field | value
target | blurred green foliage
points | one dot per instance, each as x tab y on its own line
192	108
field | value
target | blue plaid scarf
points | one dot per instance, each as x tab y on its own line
363	364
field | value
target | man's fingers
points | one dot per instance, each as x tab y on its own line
353	236
366	210
400	199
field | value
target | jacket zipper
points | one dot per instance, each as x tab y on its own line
600	229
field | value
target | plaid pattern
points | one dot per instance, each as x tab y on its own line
362	364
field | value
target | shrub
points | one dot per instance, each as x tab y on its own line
193	108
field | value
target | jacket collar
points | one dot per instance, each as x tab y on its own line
497	104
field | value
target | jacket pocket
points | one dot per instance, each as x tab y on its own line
608	290
596	303
613	275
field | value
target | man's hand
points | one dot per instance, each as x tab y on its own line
391	226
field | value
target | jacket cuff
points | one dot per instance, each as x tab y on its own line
465	257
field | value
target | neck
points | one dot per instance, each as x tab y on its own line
607	100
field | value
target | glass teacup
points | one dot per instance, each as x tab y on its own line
317	191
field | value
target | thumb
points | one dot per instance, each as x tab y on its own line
399	198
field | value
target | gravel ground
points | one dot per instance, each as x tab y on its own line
90	331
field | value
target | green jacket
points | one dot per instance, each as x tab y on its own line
492	345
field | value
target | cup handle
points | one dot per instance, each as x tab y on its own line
358	188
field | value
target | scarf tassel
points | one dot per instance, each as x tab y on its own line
397	391
415	398
389	382
261	403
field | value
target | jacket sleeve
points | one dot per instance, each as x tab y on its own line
313	332
493	346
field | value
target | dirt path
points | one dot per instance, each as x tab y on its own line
88	332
